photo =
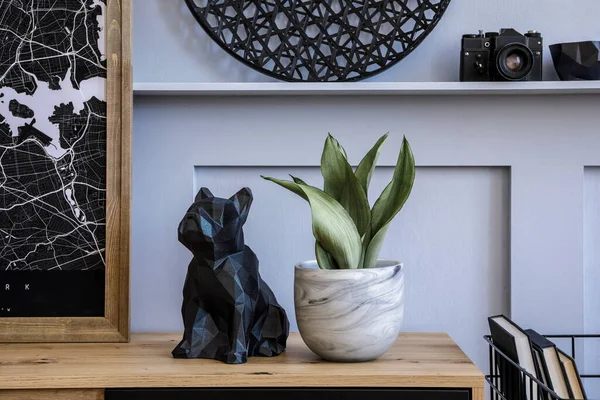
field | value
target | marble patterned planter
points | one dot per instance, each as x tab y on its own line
349	315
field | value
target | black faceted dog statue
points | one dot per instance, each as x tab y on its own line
229	312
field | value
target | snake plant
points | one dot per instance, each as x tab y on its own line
348	232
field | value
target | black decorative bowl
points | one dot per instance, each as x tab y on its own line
577	61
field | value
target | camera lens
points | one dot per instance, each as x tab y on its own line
514	61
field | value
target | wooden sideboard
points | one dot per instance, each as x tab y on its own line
419	366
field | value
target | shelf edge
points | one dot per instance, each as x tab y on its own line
367	89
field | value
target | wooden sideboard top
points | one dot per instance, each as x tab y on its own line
416	360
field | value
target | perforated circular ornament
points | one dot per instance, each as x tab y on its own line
324	41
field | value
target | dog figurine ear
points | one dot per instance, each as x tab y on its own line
242	201
204	193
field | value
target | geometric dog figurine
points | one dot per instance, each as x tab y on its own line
228	311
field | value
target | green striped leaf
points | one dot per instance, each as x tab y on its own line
324	259
365	169
341	184
333	227
298	180
390	202
291	186
373	248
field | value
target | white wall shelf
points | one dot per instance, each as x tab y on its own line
367	88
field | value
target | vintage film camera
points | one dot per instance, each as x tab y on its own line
504	56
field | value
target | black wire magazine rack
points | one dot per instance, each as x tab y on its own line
522	384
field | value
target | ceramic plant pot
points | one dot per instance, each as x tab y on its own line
349	315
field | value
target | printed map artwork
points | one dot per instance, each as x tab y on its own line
52	153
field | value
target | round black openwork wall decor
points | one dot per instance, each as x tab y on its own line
312	40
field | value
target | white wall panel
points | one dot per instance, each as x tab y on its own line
592	276
452	237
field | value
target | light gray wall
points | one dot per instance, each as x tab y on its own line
496	223
170	46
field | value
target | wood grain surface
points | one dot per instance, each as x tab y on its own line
118	169
114	326
478	393
416	360
126	167
67	394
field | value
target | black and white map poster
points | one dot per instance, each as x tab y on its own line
52	158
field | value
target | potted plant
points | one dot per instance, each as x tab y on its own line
349	303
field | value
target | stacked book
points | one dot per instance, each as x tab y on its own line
537	356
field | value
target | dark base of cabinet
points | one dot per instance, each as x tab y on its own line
289	394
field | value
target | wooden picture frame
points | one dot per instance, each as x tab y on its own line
114	325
